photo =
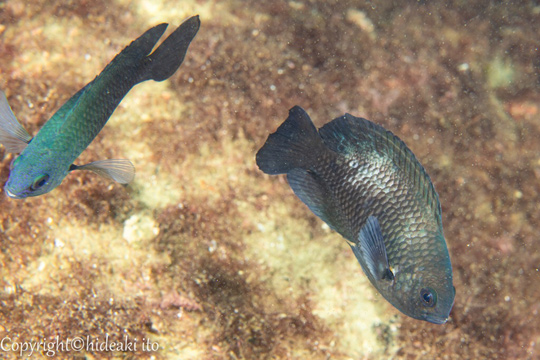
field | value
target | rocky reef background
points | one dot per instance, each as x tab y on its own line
212	259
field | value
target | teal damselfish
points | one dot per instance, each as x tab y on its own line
46	159
366	184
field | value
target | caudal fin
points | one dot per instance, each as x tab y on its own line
167	58
295	144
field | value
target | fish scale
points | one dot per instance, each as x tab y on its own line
368	186
386	204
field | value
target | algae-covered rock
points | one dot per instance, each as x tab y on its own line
207	257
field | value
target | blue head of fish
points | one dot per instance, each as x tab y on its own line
34	174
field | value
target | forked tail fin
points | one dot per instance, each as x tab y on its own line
167	58
295	144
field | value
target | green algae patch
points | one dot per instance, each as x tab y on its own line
104	251
320	263
500	73
149	105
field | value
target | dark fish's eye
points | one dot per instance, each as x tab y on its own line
428	296
39	182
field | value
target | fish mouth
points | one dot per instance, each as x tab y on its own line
436	319
11	195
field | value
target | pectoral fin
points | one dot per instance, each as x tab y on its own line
371	251
12	135
119	170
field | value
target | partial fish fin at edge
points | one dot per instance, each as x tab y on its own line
12	135
119	170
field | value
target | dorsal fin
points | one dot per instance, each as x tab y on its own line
352	135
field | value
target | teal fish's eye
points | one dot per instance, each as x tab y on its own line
39	182
428	296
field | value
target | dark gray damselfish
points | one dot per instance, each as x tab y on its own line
46	159
366	184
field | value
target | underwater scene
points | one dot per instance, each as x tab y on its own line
301	179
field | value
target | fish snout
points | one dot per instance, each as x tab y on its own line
432	318
11	195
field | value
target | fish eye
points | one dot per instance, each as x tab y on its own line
39	182
428	296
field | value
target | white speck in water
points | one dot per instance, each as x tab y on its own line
87	57
49	221
58	243
507	298
41	266
273	87
213	246
463	67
